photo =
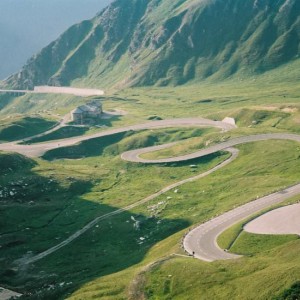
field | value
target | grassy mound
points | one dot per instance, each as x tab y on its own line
15	162
250	117
61	133
23	128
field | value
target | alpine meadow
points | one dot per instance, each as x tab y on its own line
153	152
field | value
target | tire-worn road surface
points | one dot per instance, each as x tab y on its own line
283	220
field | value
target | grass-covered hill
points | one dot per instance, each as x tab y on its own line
152	42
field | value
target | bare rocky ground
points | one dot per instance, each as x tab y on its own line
8	294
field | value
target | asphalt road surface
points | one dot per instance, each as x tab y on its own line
134	155
283	220
202	241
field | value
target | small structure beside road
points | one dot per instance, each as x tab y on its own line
229	120
87	113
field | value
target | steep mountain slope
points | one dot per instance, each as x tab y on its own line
155	42
27	26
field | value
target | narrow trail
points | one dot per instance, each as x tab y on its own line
201	241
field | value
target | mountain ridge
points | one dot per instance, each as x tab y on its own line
145	43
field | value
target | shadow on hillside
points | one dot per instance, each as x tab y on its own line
71	131
90	148
60	133
23	128
5	100
108	119
49	213
109	145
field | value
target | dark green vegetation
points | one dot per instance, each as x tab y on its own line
170	42
13	129
293	293
61	133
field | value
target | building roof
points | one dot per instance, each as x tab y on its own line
87	108
77	111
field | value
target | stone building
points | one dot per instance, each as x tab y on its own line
87	113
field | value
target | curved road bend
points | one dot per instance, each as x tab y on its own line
203	239
234	154
134	155
36	150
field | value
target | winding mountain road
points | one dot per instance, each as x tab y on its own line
36	150
201	241
134	155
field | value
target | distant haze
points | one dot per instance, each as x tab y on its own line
26	26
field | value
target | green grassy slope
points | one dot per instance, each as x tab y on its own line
269	272
50	201
106	260
275	92
12	129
